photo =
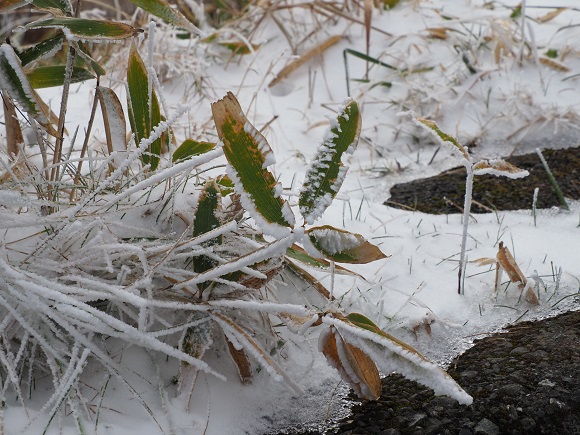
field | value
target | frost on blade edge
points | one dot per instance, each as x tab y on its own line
316	175
271	228
263	146
14	63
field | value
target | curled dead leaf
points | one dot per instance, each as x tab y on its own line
355	367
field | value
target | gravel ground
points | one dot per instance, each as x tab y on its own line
525	380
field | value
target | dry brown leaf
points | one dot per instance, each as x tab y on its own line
438	32
349	360
313	52
550	15
14	136
553	64
508	263
241	361
484	261
530	296
309	278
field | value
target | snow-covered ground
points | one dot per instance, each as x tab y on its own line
470	67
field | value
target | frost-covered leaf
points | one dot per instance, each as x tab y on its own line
15	83
241	361
47	48
249	156
85	29
207	218
392	355
143	115
163	10
355	367
190	148
326	174
341	245
499	168
115	125
49	76
196	340
441	136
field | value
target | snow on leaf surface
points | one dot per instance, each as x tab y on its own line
340	245
326	174
248	155
14	81
499	168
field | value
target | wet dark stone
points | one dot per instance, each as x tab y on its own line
494	193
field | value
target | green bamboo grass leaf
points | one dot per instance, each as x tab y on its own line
84	55
327	172
14	82
41	50
207	218
8	5
115	125
56	7
341	245
190	148
142	119
85	29
249	155
163	10
50	76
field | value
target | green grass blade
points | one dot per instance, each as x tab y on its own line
343	246
326	174
190	148
249	155
41	50
49	76
15	83
163	10
86	29
142	120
